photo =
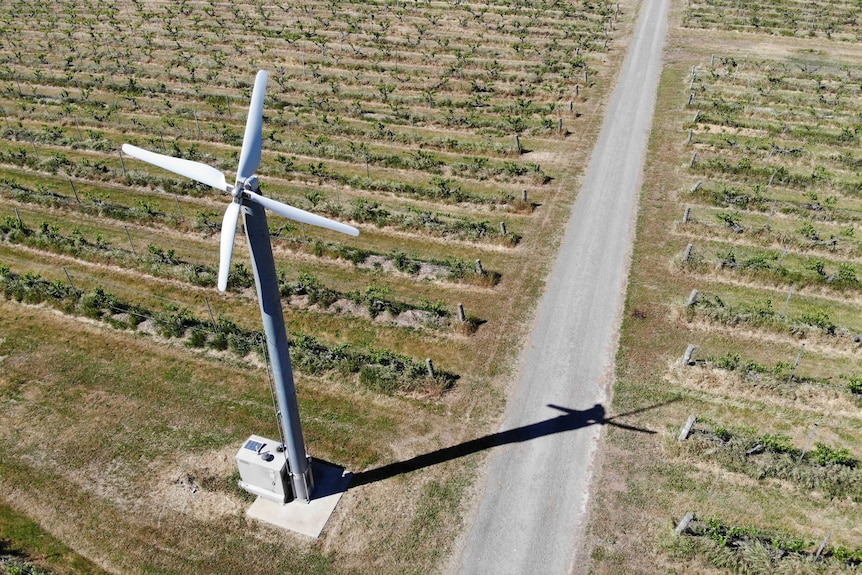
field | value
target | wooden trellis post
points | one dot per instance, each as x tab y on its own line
687	254
686	429
683	523
689	351
692	298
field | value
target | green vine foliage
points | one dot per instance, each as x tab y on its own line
752	550
776	374
762	313
830	470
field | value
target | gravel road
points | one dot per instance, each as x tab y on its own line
530	516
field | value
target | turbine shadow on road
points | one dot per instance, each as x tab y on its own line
570	420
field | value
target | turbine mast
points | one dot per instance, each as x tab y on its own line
269	298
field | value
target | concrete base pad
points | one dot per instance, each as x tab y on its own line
330	483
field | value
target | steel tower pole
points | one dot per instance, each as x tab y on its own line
269	297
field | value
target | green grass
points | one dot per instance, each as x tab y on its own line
24	539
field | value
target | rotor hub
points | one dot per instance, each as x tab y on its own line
251	184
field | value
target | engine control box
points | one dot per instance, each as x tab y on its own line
263	469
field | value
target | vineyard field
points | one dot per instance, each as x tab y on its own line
453	135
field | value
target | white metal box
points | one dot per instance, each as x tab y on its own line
263	469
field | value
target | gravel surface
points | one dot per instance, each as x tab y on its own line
531	513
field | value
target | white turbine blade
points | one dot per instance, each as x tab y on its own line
195	170
301	215
228	231
249	158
